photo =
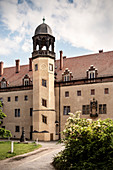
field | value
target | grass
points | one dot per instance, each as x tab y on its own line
19	148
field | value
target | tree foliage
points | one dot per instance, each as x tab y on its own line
88	144
3	132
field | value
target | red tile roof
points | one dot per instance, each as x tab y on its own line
13	78
103	62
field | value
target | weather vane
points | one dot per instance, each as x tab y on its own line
43	19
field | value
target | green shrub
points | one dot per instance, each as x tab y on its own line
88	145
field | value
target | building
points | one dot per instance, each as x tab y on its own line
38	97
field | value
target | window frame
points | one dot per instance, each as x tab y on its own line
92	91
44	119
66	110
36	67
44	83
17	128
50	67
25	97
44	102
66	93
17	112
106	90
78	92
8	99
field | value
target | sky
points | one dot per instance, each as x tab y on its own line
80	27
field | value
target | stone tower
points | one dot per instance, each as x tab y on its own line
43	57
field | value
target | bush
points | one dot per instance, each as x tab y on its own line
88	144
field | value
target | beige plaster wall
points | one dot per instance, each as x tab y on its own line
75	102
25	120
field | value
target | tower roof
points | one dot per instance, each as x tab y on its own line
43	29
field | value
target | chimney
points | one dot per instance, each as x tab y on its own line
61	60
17	66
30	64
100	51
1	68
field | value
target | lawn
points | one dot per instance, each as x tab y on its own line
19	148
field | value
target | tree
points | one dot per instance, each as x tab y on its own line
3	132
88	145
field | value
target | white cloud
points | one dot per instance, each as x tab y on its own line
83	23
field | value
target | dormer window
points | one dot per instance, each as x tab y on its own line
92	72
67	75
26	80
3	83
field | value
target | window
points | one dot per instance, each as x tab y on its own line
36	67
106	91
1	100
67	94
85	109
66	77
44	83
26	82
3	127
16	98
92	75
26	98
9	99
3	84
51	67
44	119
44	102
66	110
92	91
102	109
31	111
92	72
17	112
79	93
17	129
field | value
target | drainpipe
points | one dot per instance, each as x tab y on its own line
59	115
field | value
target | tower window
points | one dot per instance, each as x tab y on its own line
44	83
36	67
44	119
31	111
51	67
44	102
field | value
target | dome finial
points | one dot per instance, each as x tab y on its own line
43	19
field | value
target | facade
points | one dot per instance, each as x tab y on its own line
38	97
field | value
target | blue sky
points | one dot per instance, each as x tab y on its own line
79	26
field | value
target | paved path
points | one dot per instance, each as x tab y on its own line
36	160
